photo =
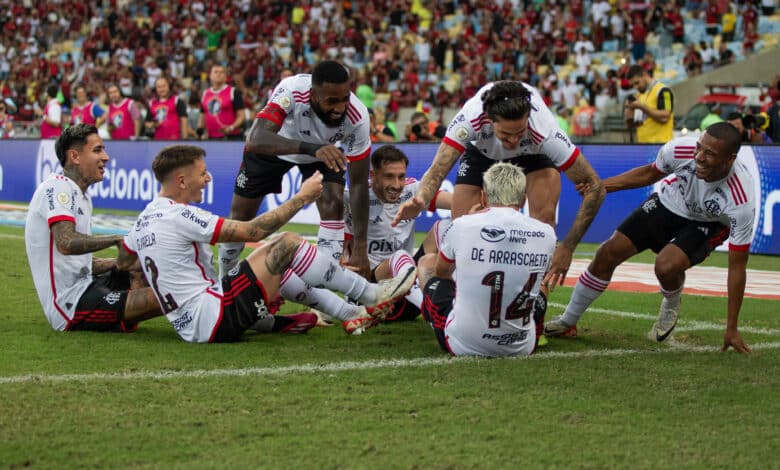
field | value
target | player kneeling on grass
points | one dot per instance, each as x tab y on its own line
76	290
707	195
501	256
171	239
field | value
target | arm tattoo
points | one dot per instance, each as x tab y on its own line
582	172
280	255
268	223
445	159
71	242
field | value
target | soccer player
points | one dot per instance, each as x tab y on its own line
78	291
391	249
508	121
316	123
501	256
171	239
707	195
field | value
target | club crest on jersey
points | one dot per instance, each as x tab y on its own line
712	206
161	113
112	297
492	234
116	120
63	198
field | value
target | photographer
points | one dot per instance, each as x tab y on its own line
751	127
420	129
651	111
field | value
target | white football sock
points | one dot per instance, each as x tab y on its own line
330	239
294	289
317	270
672	298
587	289
399	262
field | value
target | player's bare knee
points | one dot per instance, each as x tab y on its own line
668	272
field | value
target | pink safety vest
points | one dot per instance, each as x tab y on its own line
218	111
122	120
164	113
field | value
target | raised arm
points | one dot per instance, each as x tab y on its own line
445	159
736	292
71	242
638	177
264	225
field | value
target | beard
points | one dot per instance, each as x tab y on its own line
324	116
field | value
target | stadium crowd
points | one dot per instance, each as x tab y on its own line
404	53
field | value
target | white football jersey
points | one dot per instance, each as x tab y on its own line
293	96
501	256
730	201
172	242
383	239
60	280
544	136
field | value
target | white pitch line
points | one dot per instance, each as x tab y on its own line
682	325
12	236
351	366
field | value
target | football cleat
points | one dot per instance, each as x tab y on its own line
665	323
359	323
296	323
556	327
397	287
323	319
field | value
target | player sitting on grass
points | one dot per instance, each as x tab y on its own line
78	291
501	256
171	238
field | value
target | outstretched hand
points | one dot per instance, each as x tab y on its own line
409	210
559	266
734	340
311	188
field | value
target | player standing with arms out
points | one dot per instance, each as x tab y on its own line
76	290
171	239
707	195
307	122
508	121
501	256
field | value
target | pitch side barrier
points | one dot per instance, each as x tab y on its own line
129	182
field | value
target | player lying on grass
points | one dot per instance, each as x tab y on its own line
78	291
501	256
707	195
389	248
171	239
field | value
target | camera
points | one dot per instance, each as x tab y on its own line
754	121
417	129
630	98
